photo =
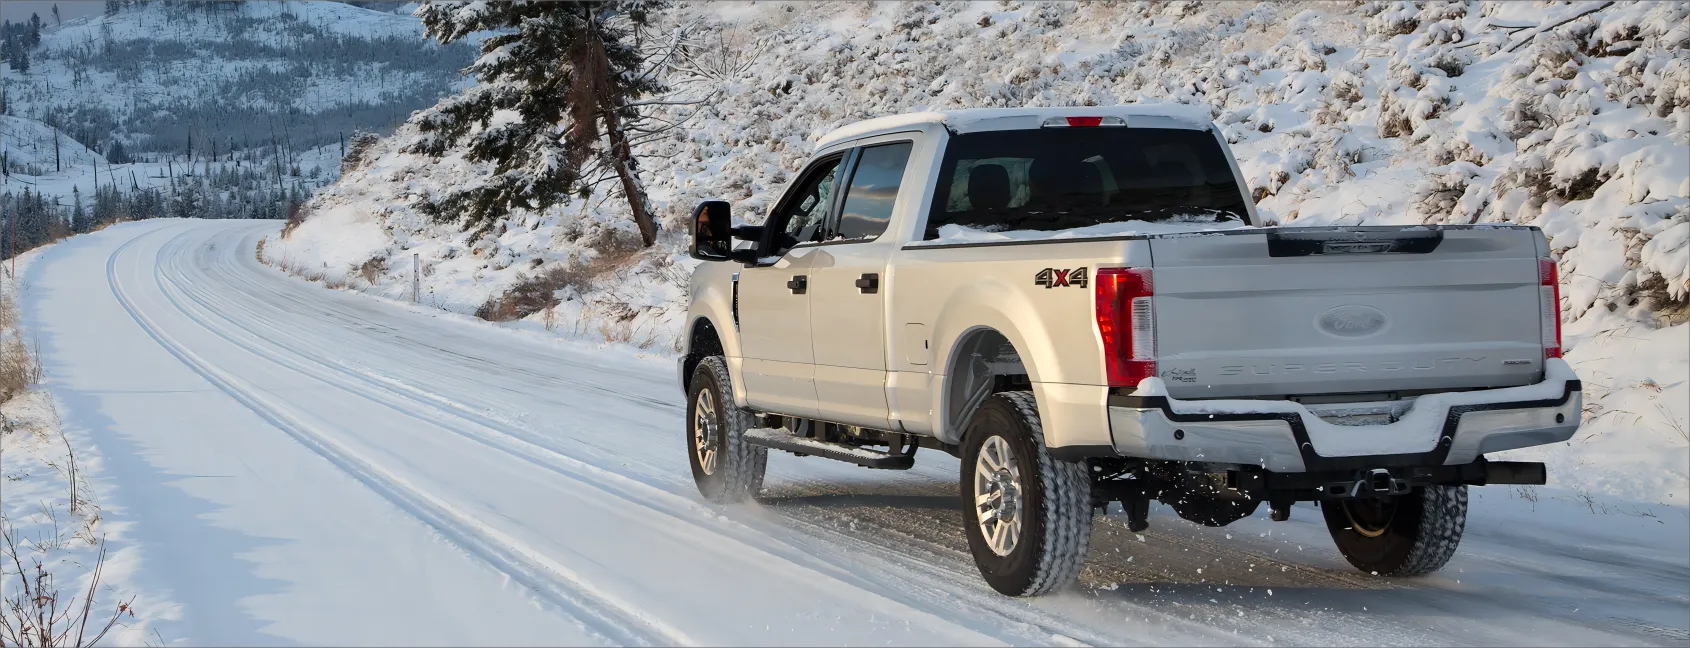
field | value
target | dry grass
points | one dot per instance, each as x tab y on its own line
1654	293
19	365
297	213
538	292
373	269
32	614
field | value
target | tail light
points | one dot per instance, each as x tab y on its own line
1082	122
1549	306
1127	323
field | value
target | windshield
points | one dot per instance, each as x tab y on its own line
1065	178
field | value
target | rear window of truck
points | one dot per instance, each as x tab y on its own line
1065	178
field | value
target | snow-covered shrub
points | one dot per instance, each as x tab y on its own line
1394	20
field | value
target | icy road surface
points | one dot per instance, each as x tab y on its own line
290	464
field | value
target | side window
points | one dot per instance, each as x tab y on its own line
803	213
873	190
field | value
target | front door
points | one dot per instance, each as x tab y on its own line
848	291
774	298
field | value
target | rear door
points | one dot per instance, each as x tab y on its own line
847	302
1302	311
774	297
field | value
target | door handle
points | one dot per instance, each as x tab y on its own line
869	283
798	284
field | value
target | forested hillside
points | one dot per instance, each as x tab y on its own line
199	109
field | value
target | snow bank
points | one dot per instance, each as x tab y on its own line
1379	113
53	488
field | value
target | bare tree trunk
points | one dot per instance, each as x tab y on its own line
621	160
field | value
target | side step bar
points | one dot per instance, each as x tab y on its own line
781	439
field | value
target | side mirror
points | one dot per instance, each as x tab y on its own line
712	231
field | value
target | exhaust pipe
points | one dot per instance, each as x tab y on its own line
1529	473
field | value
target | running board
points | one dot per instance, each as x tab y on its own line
781	439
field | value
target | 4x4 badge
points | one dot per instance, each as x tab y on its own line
1059	277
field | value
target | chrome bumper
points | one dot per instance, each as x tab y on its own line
1279	437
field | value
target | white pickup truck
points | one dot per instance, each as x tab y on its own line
1082	305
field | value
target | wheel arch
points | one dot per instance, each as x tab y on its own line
702	341
983	360
1063	374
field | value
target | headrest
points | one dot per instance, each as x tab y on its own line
988	187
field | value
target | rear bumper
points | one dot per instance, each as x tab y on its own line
1447	429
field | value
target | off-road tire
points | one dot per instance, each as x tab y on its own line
1056	500
738	473
1419	538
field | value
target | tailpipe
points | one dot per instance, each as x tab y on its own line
1530	473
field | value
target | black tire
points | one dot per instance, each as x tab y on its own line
735	473
1054	513
1413	534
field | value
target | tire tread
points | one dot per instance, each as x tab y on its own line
1067	506
741	465
1443	519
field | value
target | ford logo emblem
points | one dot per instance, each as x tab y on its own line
1352	320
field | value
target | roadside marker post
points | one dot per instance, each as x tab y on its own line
416	275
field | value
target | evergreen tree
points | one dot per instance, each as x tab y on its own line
79	220
115	154
568	69
188	201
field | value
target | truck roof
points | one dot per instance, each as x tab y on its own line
1168	115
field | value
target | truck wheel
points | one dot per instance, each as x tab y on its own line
727	469
1404	535
1029	515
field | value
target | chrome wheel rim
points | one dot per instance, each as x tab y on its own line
704	432
997	495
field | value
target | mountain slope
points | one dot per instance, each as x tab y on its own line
1569	116
157	75
29	147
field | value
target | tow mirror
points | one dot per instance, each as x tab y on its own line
712	231
713	234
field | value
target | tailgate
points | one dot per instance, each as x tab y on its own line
1302	311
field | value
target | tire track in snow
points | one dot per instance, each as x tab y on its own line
926	564
954	591
616	622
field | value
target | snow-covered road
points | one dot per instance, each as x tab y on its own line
288	464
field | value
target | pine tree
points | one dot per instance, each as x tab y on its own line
79	220
116	154
187	201
592	87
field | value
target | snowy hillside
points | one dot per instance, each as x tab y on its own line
1571	117
33	148
154	75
